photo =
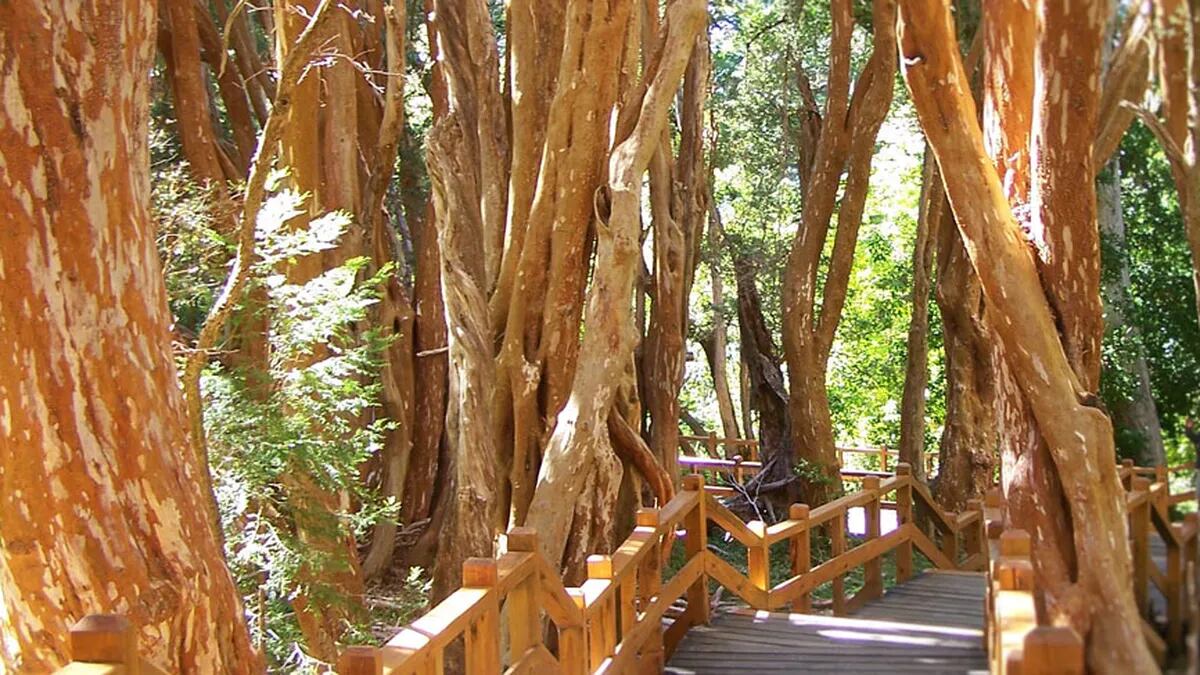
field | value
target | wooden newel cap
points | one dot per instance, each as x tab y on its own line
522	540
104	638
798	512
1127	463
974	504
994	498
693	482
647	517
577	595
599	567
360	660
870	482
479	573
1140	484
1053	649
1015	543
995	528
903	469
1013	662
758	527
1014	575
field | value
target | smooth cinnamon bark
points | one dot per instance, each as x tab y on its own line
103	506
1096	596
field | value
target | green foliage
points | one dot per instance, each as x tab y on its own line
1161	296
758	47
304	426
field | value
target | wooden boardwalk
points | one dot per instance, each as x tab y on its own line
931	624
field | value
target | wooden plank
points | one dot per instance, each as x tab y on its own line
828	571
733	580
800	554
649	624
935	555
904	516
534	661
758	556
873	568
107	639
728	521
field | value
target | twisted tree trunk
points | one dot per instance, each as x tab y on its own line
1051	372
580	433
103	504
916	376
846	145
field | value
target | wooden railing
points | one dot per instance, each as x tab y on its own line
1149	505
514	614
1013	634
739	458
1015	641
613	622
106	644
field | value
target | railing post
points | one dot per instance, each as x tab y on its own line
360	660
973	539
883	458
758	558
1127	474
649	584
602	618
521	605
1139	532
1174	592
949	543
800	550
873	569
904	517
696	544
483	635
712	445
106	638
837	546
1052	650
572	640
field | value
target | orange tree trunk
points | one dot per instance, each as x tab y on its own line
100	509
1049	371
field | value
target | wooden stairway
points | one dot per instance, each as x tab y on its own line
931	624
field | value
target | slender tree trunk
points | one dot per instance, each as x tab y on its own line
473	520
678	204
715	345
846	145
916	376
431	364
967	456
1052	371
744	390
102	507
763	387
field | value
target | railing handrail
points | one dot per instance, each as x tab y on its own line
1015	641
613	620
